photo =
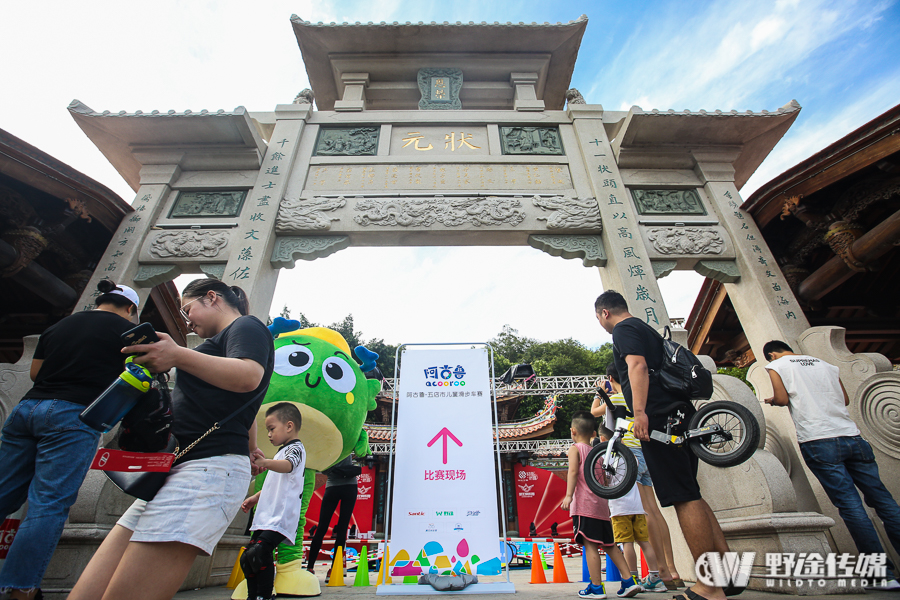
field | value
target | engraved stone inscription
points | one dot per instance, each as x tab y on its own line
462	140
347	141
668	202
188	244
530	140
444	177
569	213
208	204
686	240
440	89
299	213
449	212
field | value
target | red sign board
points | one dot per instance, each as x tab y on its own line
108	459
7	532
538	494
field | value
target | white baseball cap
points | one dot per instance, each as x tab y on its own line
124	290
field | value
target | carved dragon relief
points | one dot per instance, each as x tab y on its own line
188	244
569	213
303	215
686	240
449	212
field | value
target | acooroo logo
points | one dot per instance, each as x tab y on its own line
445	376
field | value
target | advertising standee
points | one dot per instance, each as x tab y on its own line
444	505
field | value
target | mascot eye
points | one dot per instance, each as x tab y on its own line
339	375
292	360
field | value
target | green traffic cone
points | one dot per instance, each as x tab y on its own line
543	560
362	569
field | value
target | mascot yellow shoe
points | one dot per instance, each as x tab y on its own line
290	578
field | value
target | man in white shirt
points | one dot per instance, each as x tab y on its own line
831	445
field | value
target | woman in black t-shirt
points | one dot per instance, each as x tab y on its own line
45	450
152	547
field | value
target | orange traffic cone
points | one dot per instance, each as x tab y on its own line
645	570
537	572
559	568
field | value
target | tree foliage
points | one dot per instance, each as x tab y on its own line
560	358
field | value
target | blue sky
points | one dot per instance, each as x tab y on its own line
837	59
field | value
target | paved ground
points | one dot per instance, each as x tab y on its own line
524	590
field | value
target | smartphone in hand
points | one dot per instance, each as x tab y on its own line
142	334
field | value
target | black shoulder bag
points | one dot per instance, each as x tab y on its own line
145	484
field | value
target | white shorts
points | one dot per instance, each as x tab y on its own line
195	506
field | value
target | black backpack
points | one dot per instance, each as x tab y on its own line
681	373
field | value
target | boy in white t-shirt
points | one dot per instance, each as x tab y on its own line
278	503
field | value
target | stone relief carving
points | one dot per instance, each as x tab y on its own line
449	212
668	202
215	270
305	96
569	213
725	271
188	244
208	204
288	249
530	140
686	240
153	275
661	268
303	214
440	88
347	141
879	408
573	96
589	248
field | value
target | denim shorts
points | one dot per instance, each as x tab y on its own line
195	506
643	476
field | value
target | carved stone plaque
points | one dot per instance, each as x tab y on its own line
188	244
569	213
530	140
449	212
668	202
440	89
347	141
686	240
208	204
299	214
530	178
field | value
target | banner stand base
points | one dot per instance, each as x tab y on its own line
400	589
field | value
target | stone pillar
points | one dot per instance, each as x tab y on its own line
249	264
354	99
120	261
525	95
628	269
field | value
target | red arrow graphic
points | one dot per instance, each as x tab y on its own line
444	433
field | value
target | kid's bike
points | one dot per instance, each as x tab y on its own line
721	433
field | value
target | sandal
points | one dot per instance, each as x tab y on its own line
670	584
688	594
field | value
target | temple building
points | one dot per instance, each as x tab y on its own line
833	224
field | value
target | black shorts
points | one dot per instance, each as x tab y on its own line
593	530
673	469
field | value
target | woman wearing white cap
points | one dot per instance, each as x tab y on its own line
45	449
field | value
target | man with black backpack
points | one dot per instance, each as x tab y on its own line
638	355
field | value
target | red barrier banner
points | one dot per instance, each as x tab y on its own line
7	532
538	494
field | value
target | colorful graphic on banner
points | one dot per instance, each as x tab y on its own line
538	494
7	533
362	510
444	503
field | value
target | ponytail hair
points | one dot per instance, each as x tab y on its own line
234	296
110	293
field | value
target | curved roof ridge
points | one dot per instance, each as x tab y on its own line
298	20
790	107
77	106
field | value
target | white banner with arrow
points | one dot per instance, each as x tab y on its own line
444	515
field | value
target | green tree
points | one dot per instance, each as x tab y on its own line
739	372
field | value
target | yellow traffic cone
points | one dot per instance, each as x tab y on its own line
384	573
237	574
337	564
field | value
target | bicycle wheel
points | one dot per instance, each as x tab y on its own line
615	479
737	422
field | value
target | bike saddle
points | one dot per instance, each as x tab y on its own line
617	411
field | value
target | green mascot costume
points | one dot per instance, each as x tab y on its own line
315	371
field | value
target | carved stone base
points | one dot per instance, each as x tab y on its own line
288	249
589	248
725	271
